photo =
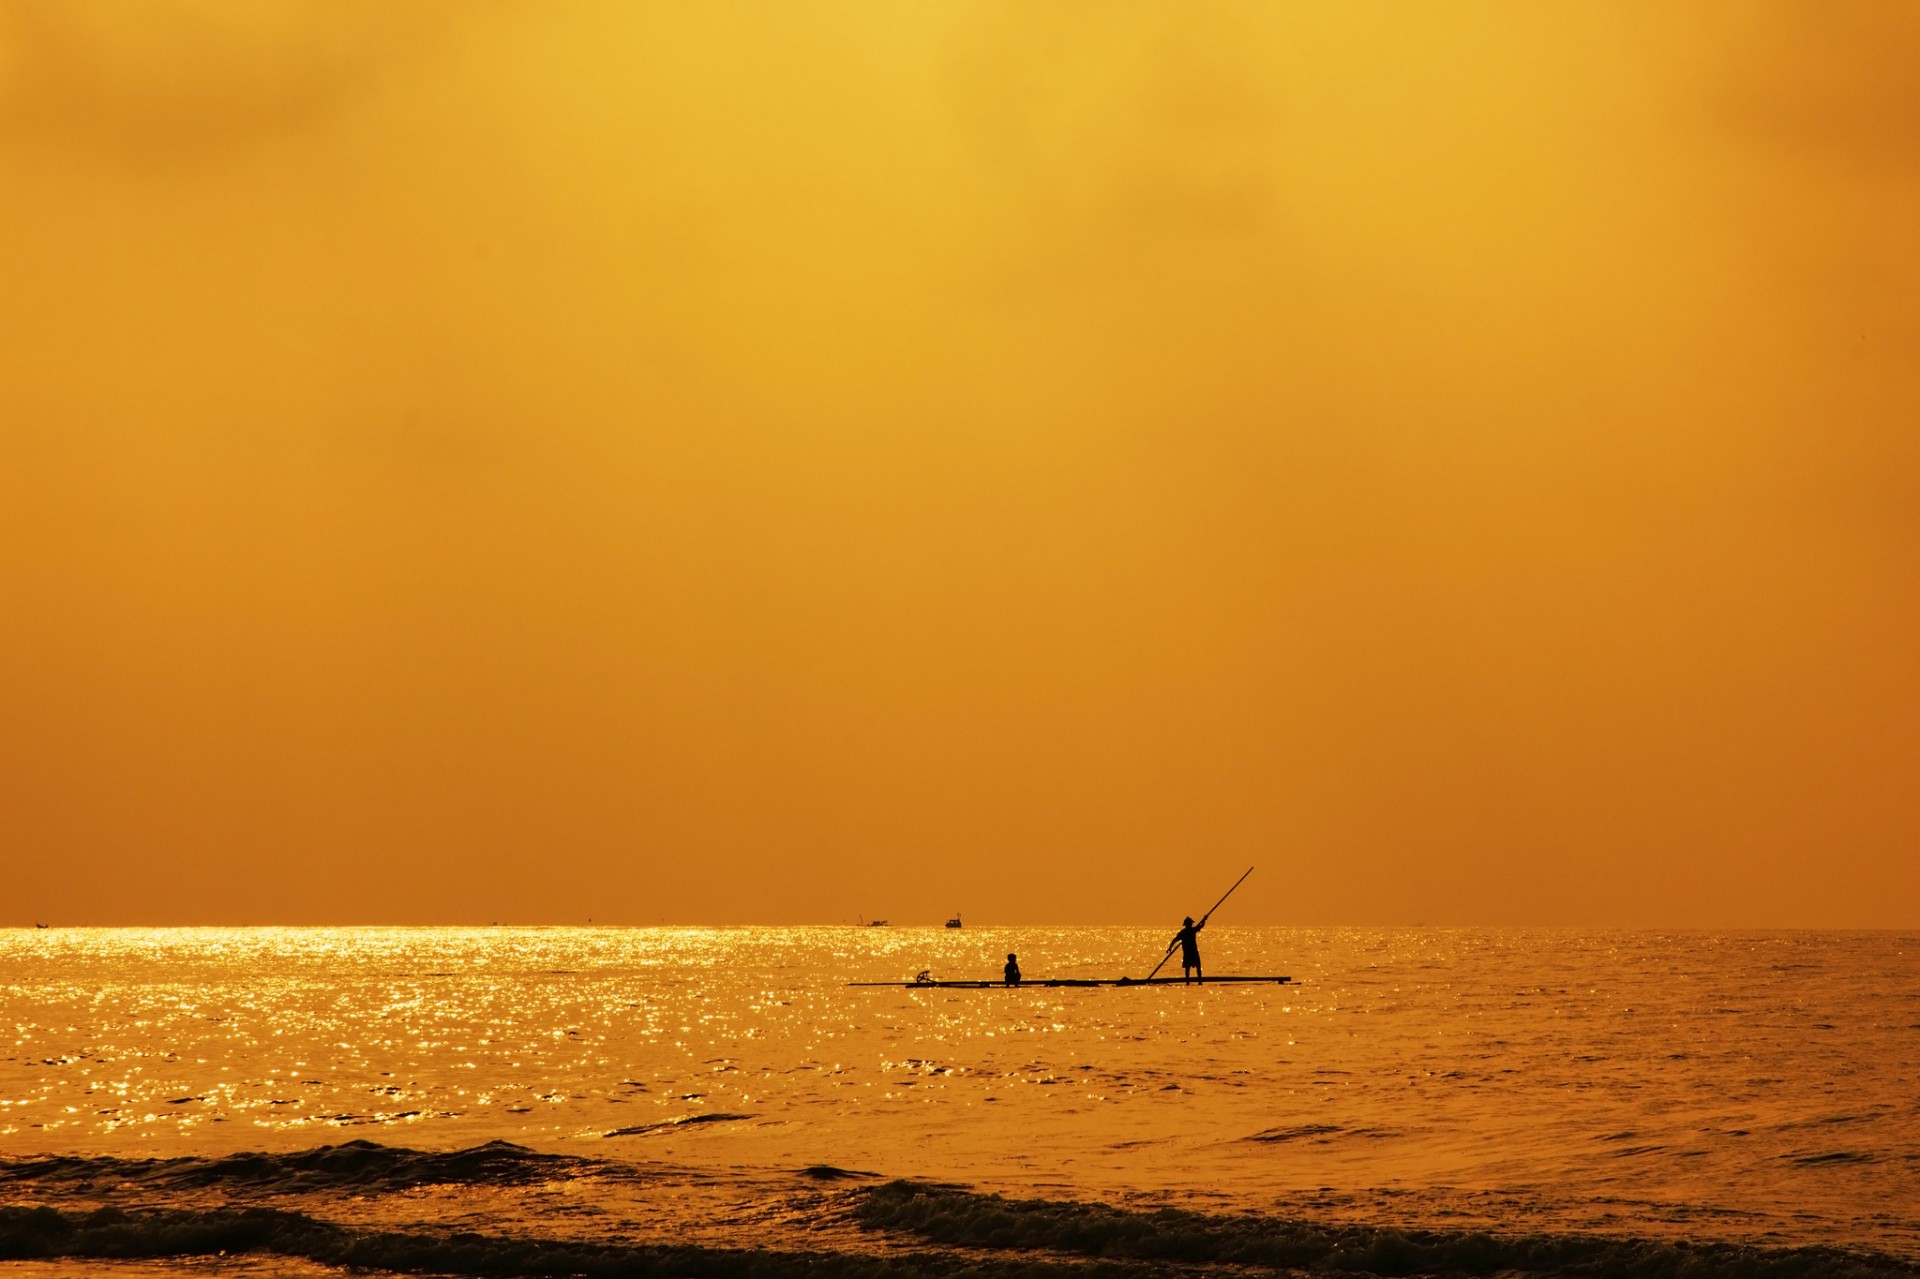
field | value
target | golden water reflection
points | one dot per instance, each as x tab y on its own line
1758	1072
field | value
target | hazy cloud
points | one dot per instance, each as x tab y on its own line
1833	80
147	81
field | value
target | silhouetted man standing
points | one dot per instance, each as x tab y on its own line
1189	939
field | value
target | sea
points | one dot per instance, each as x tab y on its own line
727	1102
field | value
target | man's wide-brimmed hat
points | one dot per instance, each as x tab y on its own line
1189	921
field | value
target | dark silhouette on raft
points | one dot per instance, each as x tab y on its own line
1188	940
1012	969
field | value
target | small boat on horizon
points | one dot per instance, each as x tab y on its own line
955	921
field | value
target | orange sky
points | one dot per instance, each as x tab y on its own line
766	463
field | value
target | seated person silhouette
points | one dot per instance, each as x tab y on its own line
1013	969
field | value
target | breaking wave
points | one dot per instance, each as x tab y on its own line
959	1218
108	1232
350	1165
27	1233
892	1230
668	1125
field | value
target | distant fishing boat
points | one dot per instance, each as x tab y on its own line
876	923
955	921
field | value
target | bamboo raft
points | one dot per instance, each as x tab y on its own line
925	980
931	984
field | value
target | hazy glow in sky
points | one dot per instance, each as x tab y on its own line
741	462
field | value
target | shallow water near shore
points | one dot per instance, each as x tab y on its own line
1758	1089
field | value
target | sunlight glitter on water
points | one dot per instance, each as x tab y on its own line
1767	1077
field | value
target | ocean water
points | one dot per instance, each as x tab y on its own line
1744	1100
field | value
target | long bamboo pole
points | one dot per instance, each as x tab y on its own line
1202	924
